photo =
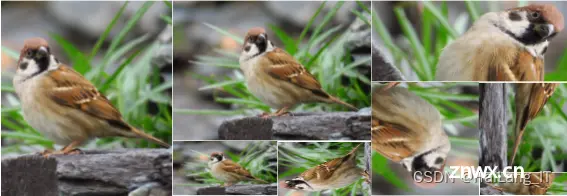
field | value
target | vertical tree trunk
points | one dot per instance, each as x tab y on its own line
493	129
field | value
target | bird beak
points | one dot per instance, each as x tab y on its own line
544	30
42	52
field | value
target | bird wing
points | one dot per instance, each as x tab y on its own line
537	98
234	168
283	66
71	89
325	170
393	141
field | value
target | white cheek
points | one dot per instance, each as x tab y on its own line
517	27
432	157
30	69
53	64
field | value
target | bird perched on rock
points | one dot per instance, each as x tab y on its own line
64	106
276	78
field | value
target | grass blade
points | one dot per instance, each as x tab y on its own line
107	31
106	85
308	26
129	25
80	61
226	33
442	20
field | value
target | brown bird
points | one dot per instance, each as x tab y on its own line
278	79
229	171
508	45
333	174
530	99
64	106
408	130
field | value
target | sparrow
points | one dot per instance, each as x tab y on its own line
336	173
228	171
276	78
535	183
502	46
64	106
530	99
408	130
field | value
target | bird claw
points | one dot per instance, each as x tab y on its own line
46	153
366	176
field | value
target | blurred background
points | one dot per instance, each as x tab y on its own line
124	48
332	39
190	158
295	158
404	31
458	105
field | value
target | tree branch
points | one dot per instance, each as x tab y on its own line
493	129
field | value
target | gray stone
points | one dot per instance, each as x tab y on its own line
300	126
95	172
382	67
250	189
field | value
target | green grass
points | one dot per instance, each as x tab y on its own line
296	159
322	52
453	113
130	88
545	133
258	158
436	32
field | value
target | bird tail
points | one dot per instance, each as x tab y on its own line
141	134
352	153
336	100
259	180
516	145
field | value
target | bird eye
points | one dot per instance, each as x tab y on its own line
535	15
29	53
439	160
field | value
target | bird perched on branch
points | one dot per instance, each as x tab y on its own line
64	106
502	46
277	78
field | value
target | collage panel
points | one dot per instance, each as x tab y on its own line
421	133
86	98
225	167
524	127
469	41
259	71
324	168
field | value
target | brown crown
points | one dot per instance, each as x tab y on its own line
549	12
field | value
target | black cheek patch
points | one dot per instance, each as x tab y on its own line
23	65
439	160
544	50
247	48
530	36
514	16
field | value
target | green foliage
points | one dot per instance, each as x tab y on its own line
436	32
323	54
543	143
258	158
298	158
130	88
